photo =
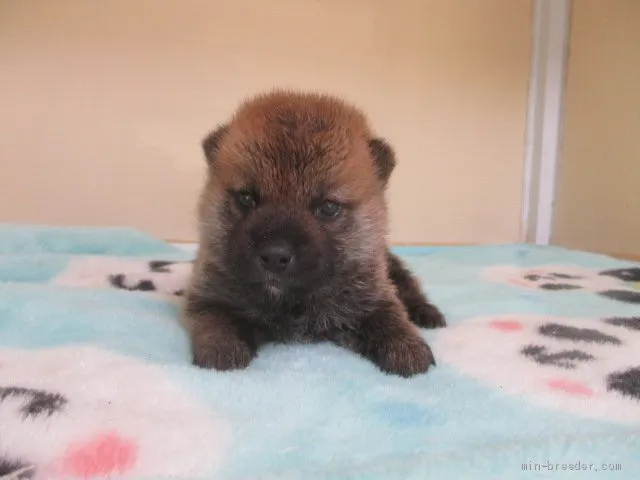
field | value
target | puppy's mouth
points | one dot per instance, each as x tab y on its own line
279	284
274	292
277	287
273	282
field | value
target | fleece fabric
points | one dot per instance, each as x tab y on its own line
538	373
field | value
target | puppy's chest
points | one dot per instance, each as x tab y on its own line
306	327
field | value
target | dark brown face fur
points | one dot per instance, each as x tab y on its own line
294	199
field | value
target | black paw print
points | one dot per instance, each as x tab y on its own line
625	382
554	281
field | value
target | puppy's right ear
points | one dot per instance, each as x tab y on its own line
384	158
211	143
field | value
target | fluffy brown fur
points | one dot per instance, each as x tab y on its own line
293	227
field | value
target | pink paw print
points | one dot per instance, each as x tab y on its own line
105	454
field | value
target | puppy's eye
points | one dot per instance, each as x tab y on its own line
329	209
246	199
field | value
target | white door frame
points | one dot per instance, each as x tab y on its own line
551	26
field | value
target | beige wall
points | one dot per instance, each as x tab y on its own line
103	104
598	190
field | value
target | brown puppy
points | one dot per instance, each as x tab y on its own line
293	227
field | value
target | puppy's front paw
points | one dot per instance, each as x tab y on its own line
405	356
426	315
229	355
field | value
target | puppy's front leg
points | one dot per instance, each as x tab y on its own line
219	341
390	340
421	311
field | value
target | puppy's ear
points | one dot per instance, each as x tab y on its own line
384	158
211	143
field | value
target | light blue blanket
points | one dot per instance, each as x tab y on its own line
538	373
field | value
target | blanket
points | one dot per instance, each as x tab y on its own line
538	373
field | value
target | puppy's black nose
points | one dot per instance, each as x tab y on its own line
276	257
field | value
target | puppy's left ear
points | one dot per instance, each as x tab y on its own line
211	143
384	158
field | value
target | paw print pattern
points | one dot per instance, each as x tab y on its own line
35	403
155	277
87	419
585	366
29	404
629	278
631	274
621	285
13	469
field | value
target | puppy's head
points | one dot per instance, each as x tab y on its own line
294	196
